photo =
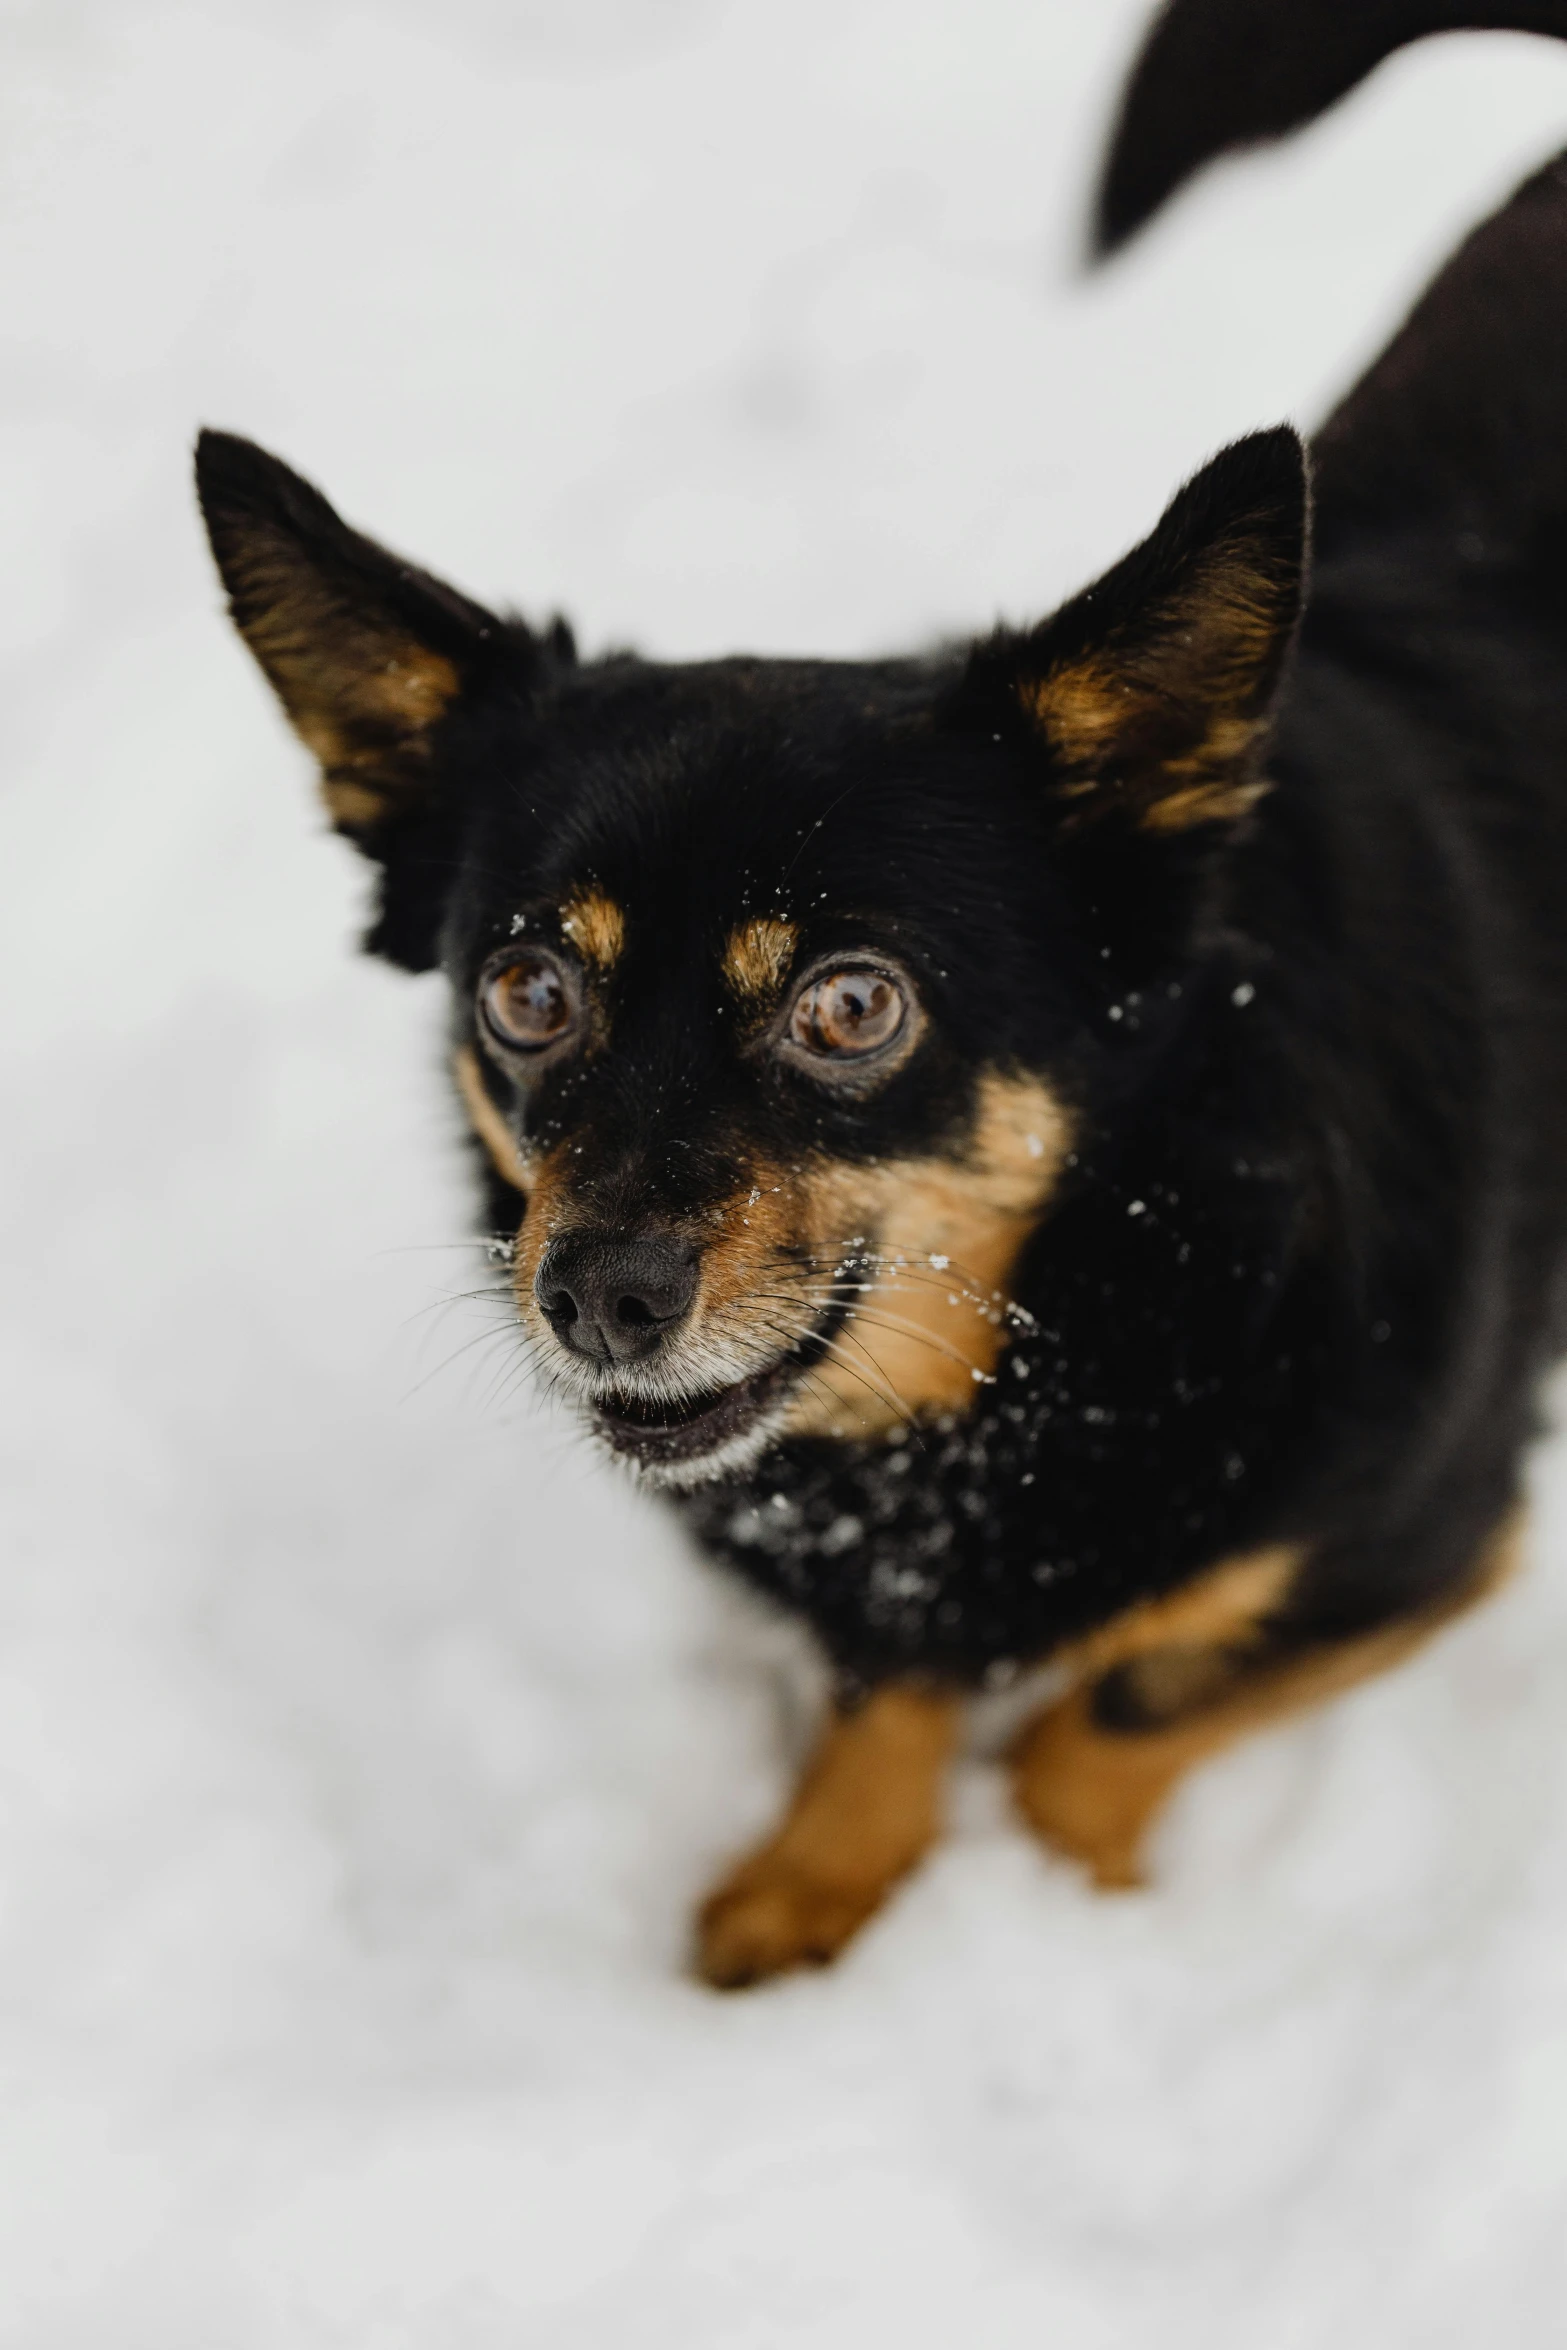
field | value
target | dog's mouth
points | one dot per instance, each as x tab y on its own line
687	1438
667	1435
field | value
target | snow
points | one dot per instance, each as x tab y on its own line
364	1745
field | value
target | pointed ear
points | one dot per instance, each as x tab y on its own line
1149	696
364	652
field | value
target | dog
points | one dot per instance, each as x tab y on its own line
1051	1149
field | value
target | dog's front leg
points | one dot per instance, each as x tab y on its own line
867	1808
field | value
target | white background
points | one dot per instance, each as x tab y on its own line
363	1745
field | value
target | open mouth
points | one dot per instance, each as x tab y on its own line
665	1435
703	1427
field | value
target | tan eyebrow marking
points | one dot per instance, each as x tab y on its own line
757	958
595	926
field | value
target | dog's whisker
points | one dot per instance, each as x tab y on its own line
888	1392
480	1338
994	1306
506	1382
887	1395
897	1325
935	1276
415	1248
461	1297
933	1270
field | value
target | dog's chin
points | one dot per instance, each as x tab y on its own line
717	1432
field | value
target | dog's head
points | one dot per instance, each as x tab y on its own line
782	991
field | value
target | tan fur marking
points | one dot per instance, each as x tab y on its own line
367	720
351	803
1082	709
1094	1793
1226	1604
487	1122
1119	718
927	1337
923	1333
360	687
414	685
867	1808
1202	803
757	958
917	1341
407	689
596	927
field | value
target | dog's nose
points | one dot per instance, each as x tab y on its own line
615	1297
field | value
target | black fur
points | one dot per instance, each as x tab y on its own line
1218	74
1305	1269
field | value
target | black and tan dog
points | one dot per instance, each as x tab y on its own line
1053	1150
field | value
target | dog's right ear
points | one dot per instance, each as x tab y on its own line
367	656
365	653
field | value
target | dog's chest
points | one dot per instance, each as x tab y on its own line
968	1548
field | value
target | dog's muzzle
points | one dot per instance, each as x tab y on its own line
677	1403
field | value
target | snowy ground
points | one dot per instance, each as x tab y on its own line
361	1747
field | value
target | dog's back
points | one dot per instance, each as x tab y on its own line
1422	763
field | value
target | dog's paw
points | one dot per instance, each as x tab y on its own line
1112	1856
1087	1795
771	1917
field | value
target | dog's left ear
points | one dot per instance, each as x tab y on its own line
1147	699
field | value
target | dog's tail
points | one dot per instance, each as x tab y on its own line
1217	74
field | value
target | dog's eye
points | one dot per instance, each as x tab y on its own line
527	1002
845	1013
